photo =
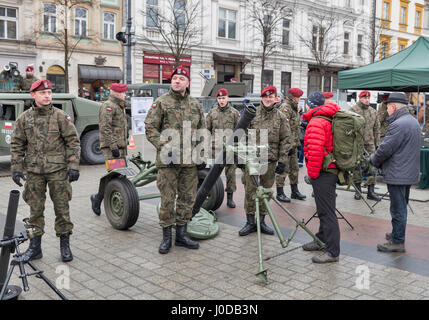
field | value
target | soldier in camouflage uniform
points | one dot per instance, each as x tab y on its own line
223	116
290	110
113	131
26	82
177	173
268	117
371	141
45	143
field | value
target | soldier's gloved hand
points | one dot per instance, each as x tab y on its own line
291	152
73	175
201	166
280	168
115	153
17	176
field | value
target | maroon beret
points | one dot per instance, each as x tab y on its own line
328	95
364	93
118	87
268	91
40	85
29	68
181	71
296	92
222	92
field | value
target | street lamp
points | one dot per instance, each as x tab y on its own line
126	37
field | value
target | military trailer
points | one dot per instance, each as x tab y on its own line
83	112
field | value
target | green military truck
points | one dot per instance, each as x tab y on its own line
84	113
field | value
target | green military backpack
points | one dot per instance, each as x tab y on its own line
348	146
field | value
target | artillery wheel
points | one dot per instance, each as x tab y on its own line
121	203
215	198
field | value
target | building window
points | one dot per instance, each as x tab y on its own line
384	46
418	20
225	72
227	23
109	26
81	22
268	78
286	82
286	29
348	3
151	13
359	45
403	16
386	9
179	14
346	42
8	23
318	38
50	18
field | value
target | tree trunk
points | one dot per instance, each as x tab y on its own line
66	62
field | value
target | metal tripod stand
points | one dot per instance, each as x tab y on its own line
20	262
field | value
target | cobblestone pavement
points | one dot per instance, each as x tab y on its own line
111	264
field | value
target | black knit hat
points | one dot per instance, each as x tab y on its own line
397	97
315	99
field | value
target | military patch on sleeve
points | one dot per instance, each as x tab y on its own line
68	118
154	105
109	109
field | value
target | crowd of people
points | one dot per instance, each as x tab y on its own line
45	145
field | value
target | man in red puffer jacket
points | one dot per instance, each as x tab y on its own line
318	142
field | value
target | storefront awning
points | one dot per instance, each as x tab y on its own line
92	73
229	57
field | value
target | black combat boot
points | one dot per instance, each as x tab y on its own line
249	227
357	194
371	193
295	193
34	250
183	240
264	228
230	203
166	240
66	254
281	195
96	203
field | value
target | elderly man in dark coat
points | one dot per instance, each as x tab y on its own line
399	157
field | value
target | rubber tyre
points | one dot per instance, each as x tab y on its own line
90	145
121	203
215	198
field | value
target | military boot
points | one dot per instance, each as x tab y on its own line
34	250
358	194
264	228
183	240
371	193
66	254
166	240
295	193
281	195
230	203
96	203
249	227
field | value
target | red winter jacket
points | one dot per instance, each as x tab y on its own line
318	138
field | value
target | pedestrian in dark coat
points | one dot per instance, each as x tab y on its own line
399	157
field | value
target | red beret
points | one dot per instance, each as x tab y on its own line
268	91
364	94
118	87
222	92
328	95
29	68
181	71
40	85
296	92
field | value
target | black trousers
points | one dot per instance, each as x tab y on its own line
324	194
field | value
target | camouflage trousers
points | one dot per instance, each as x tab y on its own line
357	178
183	183
108	153
60	192
291	170
231	185
266	180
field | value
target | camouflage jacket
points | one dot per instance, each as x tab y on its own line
372	125
113	124
290	110
171	116
279	135
25	84
44	140
221	118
